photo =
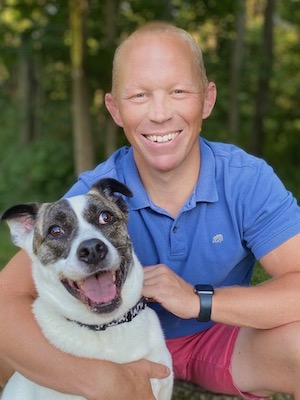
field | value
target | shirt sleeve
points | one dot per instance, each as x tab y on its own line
271	213
82	186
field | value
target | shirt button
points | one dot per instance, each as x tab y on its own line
175	229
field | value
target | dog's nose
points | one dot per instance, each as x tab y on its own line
92	251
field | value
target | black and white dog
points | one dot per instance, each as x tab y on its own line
89	284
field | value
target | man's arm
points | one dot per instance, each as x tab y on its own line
24	348
273	303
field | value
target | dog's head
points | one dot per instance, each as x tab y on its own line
80	243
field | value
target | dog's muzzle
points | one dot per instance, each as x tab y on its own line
101	291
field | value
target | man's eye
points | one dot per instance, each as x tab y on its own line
56	231
140	95
105	218
178	91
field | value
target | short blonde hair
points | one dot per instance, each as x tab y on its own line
160	28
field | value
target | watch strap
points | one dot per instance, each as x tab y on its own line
205	293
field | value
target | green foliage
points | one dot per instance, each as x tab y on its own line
7	247
41	172
43	169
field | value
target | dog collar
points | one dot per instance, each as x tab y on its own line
132	313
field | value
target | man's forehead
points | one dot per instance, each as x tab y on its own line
149	44
151	39
143	53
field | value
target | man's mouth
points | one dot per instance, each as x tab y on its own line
163	138
101	291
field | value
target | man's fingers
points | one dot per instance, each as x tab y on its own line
154	370
159	371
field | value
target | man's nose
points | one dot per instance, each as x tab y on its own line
160	109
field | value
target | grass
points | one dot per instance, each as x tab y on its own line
260	275
188	391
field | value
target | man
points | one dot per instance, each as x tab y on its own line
201	213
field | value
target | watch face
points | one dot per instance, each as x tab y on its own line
204	289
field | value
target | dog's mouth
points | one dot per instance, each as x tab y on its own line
101	291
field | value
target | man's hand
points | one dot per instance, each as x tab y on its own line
164	286
130	381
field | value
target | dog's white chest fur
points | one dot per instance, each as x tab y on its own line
140	339
86	274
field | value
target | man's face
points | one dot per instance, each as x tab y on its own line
159	101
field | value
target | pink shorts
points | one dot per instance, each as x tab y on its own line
205	359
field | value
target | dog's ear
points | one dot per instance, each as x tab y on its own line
21	220
109	186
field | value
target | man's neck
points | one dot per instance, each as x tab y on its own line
170	190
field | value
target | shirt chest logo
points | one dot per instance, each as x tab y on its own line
219	238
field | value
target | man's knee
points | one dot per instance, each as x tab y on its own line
268	359
289	344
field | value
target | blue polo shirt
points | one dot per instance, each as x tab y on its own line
238	212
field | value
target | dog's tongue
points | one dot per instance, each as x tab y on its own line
100	288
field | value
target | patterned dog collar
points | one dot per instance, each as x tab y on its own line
132	313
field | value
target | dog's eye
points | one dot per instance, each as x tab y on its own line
105	217
56	231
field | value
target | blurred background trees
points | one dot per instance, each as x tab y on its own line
55	66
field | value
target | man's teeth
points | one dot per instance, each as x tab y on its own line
161	139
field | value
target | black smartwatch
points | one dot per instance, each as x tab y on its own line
205	293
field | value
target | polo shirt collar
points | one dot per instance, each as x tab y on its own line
205	191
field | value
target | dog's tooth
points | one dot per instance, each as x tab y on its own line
114	277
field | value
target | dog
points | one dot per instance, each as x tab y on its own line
89	284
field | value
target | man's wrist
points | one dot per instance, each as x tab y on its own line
205	294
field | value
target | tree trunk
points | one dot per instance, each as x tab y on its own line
262	95
110	13
235	72
27	89
84	157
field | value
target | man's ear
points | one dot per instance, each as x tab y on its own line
113	108
209	99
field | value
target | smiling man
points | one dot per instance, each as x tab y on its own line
160	96
201	215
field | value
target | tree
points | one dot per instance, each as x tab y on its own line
110	36
28	91
35	37
235	72
84	156
262	94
